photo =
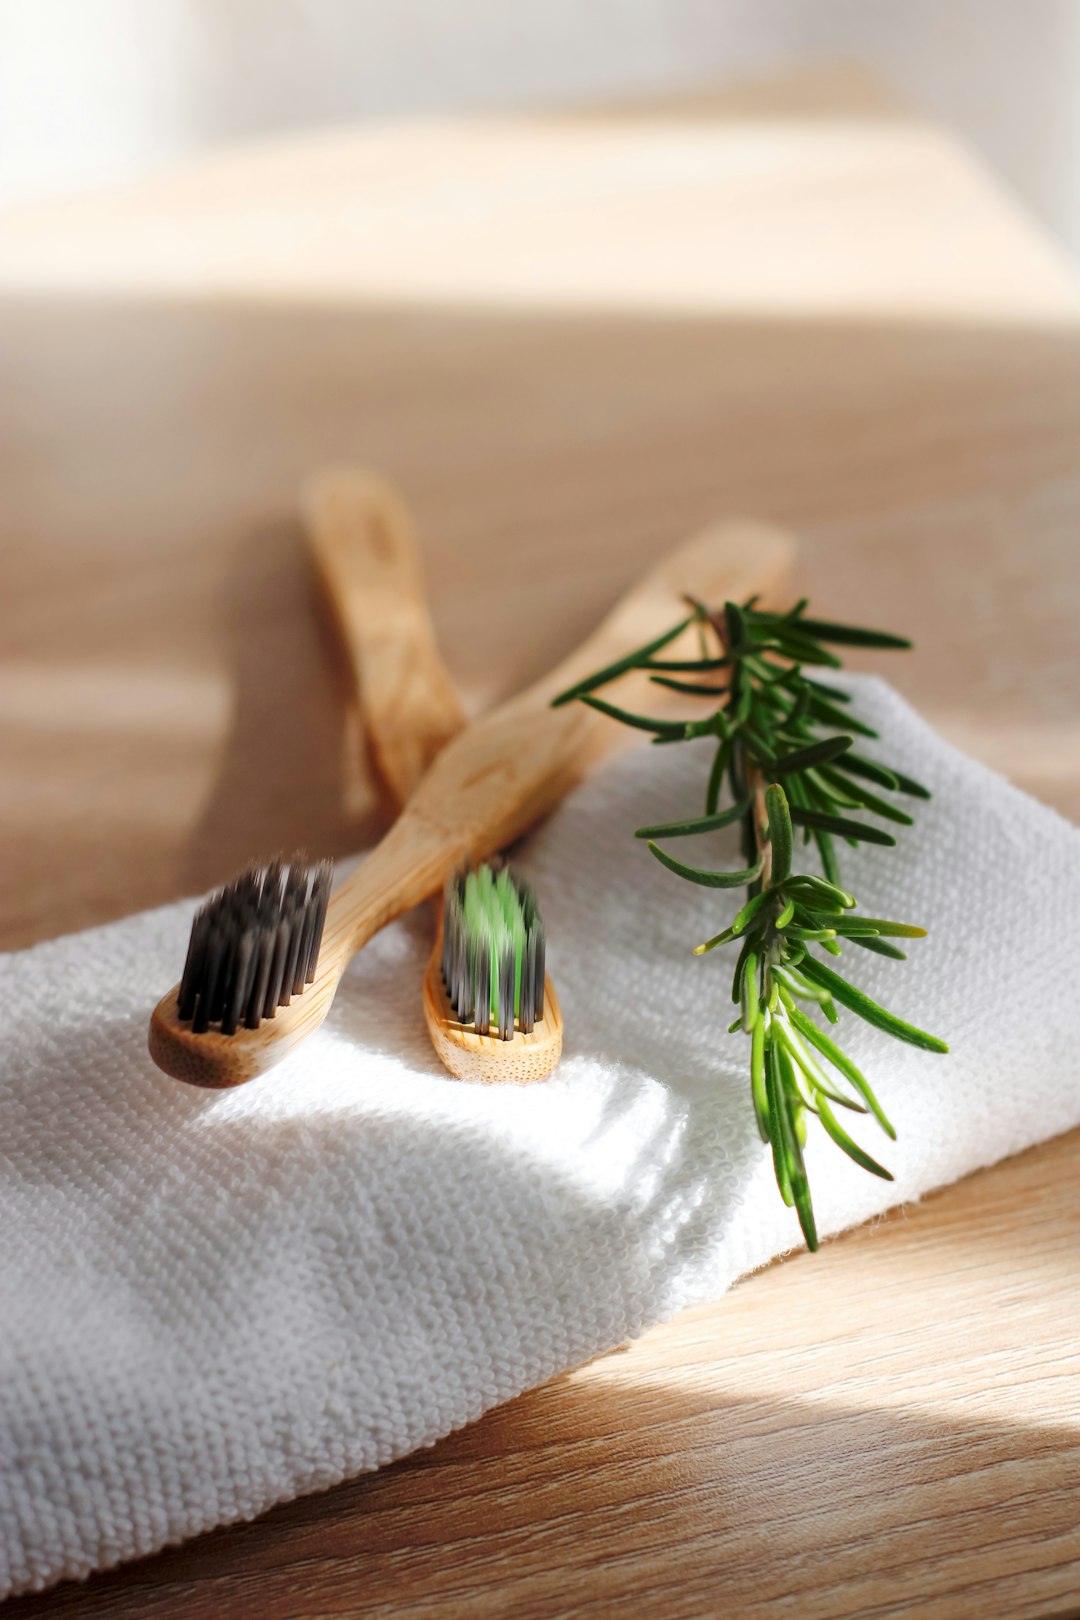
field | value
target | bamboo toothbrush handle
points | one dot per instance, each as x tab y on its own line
504	771
366	559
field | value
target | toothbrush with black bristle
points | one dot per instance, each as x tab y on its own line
478	789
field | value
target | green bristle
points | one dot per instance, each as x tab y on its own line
509	897
491	909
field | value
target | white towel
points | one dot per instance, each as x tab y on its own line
212	1302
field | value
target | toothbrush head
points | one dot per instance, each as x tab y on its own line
491	1011
493	951
254	945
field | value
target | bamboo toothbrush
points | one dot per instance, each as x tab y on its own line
365	555
486	787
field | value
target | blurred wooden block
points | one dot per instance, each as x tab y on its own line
571	340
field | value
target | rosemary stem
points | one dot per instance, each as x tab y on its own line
760	819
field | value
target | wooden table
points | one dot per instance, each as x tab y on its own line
572	339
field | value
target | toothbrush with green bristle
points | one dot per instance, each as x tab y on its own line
491	1012
488	981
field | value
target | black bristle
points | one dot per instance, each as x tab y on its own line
240	983
527	1007
481	1012
505	997
307	923
466	980
196	953
538	942
288	978
207	988
320	899
264	953
279	927
254	944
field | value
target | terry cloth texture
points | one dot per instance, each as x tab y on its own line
212	1302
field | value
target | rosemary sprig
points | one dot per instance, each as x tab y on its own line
785	749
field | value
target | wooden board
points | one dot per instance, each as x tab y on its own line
571	339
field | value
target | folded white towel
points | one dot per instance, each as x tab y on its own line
212	1302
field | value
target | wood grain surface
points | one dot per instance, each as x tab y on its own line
572	340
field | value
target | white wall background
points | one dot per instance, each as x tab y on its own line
93	91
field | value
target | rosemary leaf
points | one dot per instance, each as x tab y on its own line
700	666
804	651
707	880
757	1079
837	824
800	1189
907	784
837	693
621	665
780	835
673	730
851	635
750	1005
857	1001
716	777
813	754
700	824
843	1140
777	1136
870	801
829	715
797	1051
854	765
829	864
880	947
879	925
689	687
840	1060
822	893
746	916
736	626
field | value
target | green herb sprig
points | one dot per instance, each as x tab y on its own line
786	754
